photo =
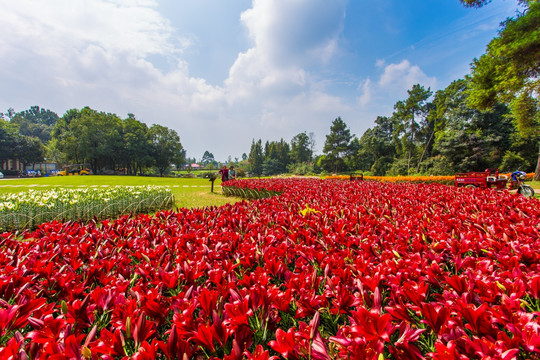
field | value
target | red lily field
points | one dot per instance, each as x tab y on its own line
325	269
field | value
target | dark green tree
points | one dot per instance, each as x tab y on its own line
28	150
136	152
280	152
271	167
337	146
376	147
256	158
8	137
409	116
99	139
469	139
208	158
509	72
36	122
166	147
301	151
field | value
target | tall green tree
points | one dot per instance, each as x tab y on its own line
99	139
277	154
36	122
376	147
410	115
136	150
301	151
166	147
8	135
28	150
208	158
337	146
469	139
509	72
256	158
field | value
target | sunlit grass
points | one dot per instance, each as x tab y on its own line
188	193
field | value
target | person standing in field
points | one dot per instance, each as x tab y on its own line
232	173
224	174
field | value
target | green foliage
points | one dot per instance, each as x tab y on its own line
410	118
509	71
301	151
480	3
256	158
108	142
439	165
304	168
337	146
208	158
526	114
271	167
511	64
35	122
513	161
166	147
381	166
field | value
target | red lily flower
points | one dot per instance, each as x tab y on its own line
372	325
446	352
51	331
142	329
343	301
205	337
259	354
208	300
238	313
531	337
404	349
479	320
435	316
110	343
13	349
285	343
176	348
146	351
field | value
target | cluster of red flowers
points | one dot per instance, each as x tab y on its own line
327	270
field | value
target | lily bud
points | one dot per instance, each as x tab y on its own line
90	336
64	307
128	327
314	325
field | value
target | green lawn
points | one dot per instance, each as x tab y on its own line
189	193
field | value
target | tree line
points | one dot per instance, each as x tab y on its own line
489	119
433	134
102	140
427	134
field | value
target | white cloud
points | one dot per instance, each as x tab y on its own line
64	54
288	37
366	89
295	31
402	76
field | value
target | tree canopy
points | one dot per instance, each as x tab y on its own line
509	72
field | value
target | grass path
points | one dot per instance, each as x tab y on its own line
188	193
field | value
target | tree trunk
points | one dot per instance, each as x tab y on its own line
424	152
537	172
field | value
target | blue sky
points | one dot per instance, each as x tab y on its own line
224	72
